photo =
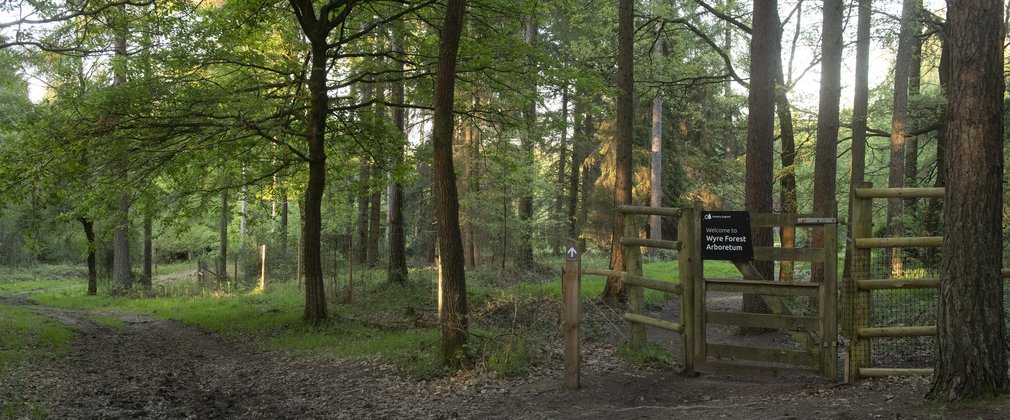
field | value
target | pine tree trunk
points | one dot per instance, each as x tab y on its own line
761	132
787	182
374	222
656	154
614	289
524	255
857	166
397	269
971	358
453	307
899	121
122	274
361	255
826	153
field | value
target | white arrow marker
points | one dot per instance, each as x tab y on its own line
572	253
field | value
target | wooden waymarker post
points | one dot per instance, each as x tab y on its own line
570	293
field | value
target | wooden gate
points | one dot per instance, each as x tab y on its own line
815	349
816	335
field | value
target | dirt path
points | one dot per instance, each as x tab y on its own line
164	369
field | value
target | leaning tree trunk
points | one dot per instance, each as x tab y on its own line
453	306
615	290
971	360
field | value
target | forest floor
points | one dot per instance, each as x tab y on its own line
156	368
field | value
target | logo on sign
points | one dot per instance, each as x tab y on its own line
725	235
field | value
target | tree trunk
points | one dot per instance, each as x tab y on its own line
453	306
931	220
581	112
559	204
614	289
826	153
971	359
222	261
284	220
899	120
361	255
122	274
761	131
656	154
89	235
374	222
397	269
912	142
787	182
857	166
147	279
524	255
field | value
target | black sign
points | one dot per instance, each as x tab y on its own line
725	235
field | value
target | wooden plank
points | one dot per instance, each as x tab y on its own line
661	285
602	272
658	211
915	241
762	287
758	354
886	372
1005	272
750	369
776	304
698	306
571	310
686	263
775	219
781	322
898	284
651	243
768	253
899	192
871	332
816	220
654	322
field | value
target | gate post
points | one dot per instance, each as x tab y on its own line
686	265
570	300
857	312
829	303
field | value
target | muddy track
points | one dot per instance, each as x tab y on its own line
156	368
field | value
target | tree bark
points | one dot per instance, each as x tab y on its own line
931	220
899	120
826	153
860	104
578	158
656	153
787	182
397	269
563	155
374	221
122	274
761	132
971	359
453	306
222	261
362	234
614	289
89	235
524	255
148	277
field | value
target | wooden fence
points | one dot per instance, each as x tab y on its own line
859	289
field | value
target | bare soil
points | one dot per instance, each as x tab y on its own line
164	369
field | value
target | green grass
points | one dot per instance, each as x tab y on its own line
26	337
109	322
